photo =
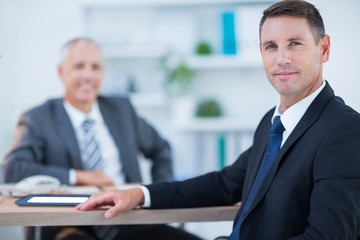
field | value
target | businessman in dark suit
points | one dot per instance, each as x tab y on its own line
310	188
51	139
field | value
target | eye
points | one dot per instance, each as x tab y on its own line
79	66
96	67
270	46
294	43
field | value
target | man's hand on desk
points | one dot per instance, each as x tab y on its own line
93	178
119	200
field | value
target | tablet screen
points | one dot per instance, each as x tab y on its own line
52	200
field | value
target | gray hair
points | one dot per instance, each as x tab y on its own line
65	48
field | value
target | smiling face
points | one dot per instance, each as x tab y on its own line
81	72
292	58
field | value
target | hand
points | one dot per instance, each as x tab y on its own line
93	178
120	200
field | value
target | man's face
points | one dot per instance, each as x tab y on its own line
291	57
82	72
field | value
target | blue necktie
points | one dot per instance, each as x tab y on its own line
272	149
90	151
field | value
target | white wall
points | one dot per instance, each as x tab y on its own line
341	19
34	34
6	74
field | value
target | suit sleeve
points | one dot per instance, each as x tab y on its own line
155	148
26	156
213	189
335	199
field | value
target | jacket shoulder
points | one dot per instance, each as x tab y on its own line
43	108
122	102
114	99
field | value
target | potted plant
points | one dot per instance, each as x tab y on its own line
178	76
203	49
209	108
178	80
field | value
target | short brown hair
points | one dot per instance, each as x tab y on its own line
296	8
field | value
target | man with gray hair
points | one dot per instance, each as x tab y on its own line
85	139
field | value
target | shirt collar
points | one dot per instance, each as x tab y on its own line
77	117
292	115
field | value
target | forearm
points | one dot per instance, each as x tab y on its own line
162	169
93	178
17	169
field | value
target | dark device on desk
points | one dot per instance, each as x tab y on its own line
66	200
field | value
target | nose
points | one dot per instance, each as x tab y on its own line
283	57
88	73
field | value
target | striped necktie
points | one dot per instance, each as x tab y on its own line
272	149
90	150
92	160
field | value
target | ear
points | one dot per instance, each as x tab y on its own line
325	48
60	71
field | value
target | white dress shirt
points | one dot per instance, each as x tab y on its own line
109	152
291	117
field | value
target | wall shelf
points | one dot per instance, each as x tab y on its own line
220	124
148	100
133	52
221	62
194	62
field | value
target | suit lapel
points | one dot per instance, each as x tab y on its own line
115	121
309	118
66	132
258	152
302	126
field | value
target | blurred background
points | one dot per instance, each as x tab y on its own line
191	67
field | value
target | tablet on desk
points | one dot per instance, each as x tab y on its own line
52	200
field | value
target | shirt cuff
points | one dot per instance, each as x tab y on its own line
72	177
147	200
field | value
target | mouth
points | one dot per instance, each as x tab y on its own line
284	74
86	85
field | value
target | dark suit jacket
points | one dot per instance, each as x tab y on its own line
312	190
46	142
